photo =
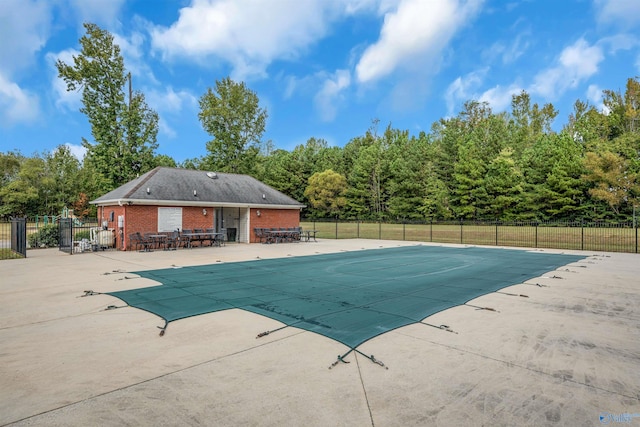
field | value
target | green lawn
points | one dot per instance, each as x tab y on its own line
602	238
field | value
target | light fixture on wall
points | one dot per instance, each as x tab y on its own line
258	213
204	212
195	193
264	196
148	190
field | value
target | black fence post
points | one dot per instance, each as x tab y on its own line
461	239
582	234
431	230
536	226
336	228
404	227
19	236
496	232
379	230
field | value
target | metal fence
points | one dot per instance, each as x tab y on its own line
595	236
13	242
71	235
13	239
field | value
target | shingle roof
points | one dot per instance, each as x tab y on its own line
185	187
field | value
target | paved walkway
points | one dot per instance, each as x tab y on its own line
566	355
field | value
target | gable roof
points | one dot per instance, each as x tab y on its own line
186	187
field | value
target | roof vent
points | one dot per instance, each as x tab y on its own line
212	175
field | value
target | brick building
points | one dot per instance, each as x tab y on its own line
168	199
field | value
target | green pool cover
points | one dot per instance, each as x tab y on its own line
350	297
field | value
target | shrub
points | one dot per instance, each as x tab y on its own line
46	236
83	235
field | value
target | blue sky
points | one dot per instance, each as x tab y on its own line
321	68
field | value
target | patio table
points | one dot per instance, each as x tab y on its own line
308	235
158	240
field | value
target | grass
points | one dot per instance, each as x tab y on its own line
6	253
600	238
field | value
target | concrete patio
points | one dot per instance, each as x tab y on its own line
568	354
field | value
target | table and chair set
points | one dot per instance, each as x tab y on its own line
176	239
284	235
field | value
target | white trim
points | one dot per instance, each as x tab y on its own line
184	203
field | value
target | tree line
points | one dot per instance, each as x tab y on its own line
478	165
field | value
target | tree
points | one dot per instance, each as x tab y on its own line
22	195
124	133
504	185
470	197
612	180
58	184
164	160
9	166
529	122
326	191
232	116
552	169
281	171
365	198
409	161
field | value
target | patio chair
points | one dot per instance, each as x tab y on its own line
201	236
142	242
295	233
213	239
259	233
185	239
172	241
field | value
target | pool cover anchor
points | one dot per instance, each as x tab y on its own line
265	333
113	272
373	359
113	307
477	307
537	284
442	327
90	293
512	295
163	328
341	359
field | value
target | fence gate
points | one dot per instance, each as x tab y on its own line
65	235
19	236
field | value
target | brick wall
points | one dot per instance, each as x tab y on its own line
273	218
144	219
105	214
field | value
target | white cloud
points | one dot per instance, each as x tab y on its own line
594	95
132	49
78	151
170	101
330	94
24	29
165	129
499	98
248	34
463	89
97	11
576	63
625	13
71	101
517	48
412	35
16	104
619	42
